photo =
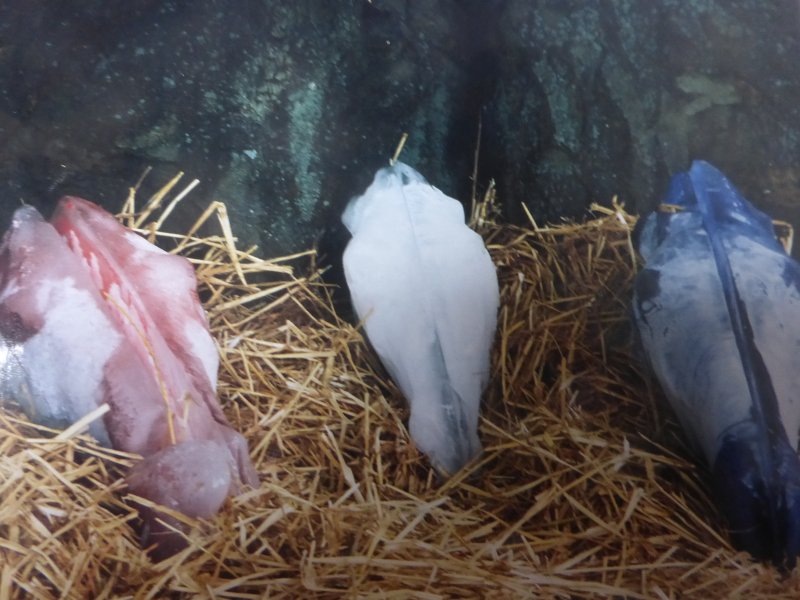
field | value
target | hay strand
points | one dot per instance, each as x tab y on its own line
584	489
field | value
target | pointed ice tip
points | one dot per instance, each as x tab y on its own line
442	430
726	207
762	510
193	477
446	471
404	174
387	180
705	166
681	191
707	177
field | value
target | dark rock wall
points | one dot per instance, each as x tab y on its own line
285	109
604	98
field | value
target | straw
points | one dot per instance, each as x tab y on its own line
584	488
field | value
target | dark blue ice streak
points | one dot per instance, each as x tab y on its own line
717	203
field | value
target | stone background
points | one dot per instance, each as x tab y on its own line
285	109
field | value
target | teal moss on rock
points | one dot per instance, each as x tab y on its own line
285	110
305	113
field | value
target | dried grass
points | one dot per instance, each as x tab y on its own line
583	490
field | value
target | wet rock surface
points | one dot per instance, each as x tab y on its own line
284	110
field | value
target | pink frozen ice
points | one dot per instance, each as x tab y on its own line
91	313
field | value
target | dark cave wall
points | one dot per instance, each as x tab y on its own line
284	110
609	98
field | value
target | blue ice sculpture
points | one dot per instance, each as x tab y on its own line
717	308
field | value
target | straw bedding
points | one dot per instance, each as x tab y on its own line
584	488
